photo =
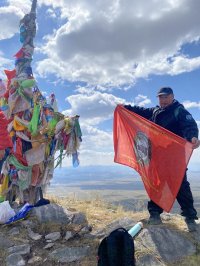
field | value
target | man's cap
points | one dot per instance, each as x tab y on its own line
165	91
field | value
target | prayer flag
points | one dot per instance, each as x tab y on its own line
5	140
158	155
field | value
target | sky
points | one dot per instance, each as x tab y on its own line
96	54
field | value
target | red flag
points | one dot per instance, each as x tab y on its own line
5	140
10	75
158	155
20	53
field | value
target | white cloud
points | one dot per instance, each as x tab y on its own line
96	147
96	139
183	64
23	5
96	158
51	13
94	107
112	42
189	104
161	65
9	21
88	158
4	62
115	43
142	100
194	161
10	16
44	93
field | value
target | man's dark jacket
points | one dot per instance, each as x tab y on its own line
174	117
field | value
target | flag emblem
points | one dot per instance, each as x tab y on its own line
142	148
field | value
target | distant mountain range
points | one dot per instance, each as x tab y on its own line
118	184
81	174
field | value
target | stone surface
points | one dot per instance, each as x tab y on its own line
27	224
85	230
48	246
79	218
20	249
168	244
196	234
149	260
34	236
14	231
5	242
53	236
126	223
68	235
50	213
69	254
15	260
162	245
34	259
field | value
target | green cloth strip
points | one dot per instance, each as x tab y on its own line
23	184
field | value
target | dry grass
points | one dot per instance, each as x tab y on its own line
98	212
2	257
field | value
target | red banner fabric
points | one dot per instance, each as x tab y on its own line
158	155
5	140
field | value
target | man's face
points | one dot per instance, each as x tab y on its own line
165	100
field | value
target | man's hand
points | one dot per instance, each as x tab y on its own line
195	142
2	153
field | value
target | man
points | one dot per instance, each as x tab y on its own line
172	115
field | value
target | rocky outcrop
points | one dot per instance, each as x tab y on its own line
49	236
53	235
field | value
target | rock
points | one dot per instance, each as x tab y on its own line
162	245
86	229
68	235
127	223
50	213
14	231
15	259
53	236
21	249
34	236
34	260
27	224
149	260
166	243
196	234
169	216
79	218
69	254
5	242
50	245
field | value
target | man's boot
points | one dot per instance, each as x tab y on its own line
191	224
154	219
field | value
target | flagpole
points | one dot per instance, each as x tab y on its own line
27	34
33	7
